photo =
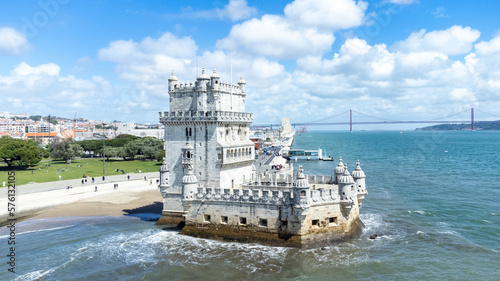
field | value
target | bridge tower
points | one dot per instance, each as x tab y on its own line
472	118
350	120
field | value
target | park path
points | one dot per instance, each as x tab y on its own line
76	183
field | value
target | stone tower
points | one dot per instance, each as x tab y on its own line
208	122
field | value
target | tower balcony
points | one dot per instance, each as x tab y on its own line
170	117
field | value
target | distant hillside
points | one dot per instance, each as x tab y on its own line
481	125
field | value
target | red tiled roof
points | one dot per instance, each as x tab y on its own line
27	135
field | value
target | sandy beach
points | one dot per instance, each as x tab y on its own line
131	196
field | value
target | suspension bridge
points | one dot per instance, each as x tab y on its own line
325	121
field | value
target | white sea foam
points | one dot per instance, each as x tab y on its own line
38	230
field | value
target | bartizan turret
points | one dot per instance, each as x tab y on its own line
215	81
301	191
202	81
189	181
339	170
359	180
172	82
243	85
347	192
164	178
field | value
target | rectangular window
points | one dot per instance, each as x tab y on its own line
302	193
206	218
243	221
332	220
223	219
263	222
315	222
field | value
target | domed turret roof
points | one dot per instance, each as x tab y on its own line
301	179
242	81
358	173
215	74
340	167
188	147
346	178
172	77
203	76
164	166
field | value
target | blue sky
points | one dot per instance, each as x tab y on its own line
395	59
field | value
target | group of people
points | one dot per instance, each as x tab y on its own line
115	186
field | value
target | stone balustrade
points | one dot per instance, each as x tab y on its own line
193	115
256	194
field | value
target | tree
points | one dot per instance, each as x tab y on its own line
111	152
151	147
93	146
16	152
66	151
131	149
160	155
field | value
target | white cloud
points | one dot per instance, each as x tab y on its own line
235	10
23	69
417	77
147	60
305	29
12	41
238	10
491	47
331	14
82	65
275	37
42	90
463	94
452	41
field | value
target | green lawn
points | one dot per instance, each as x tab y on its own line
77	168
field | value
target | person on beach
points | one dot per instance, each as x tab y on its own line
128	177
82	181
150	182
103	178
92	179
95	188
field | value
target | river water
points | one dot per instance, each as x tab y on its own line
433	199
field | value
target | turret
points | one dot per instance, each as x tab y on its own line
243	85
346	191
202	81
359	180
215	80
164	178
301	190
346	185
189	181
172	82
339	170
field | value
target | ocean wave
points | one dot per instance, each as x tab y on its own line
38	230
423	213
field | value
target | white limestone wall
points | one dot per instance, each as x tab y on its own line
253	213
232	177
